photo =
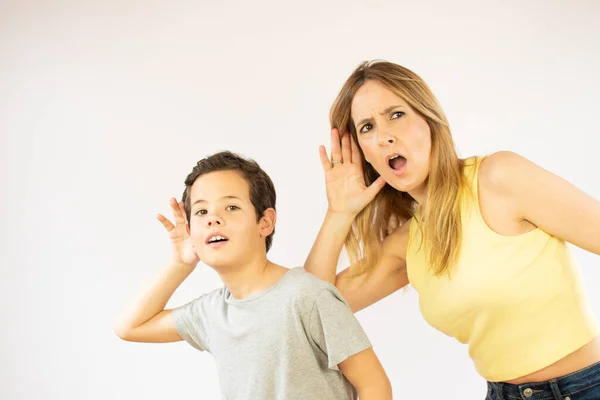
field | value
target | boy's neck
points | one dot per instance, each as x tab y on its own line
252	278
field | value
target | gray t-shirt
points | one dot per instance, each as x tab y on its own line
281	344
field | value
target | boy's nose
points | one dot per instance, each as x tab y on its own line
213	220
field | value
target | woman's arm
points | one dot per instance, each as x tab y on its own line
545	200
387	276
359	291
325	252
347	195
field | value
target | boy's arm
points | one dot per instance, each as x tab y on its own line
366	374
337	332
146	320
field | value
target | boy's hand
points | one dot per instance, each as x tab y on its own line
183	250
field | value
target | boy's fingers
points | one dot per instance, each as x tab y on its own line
183	213
165	222
177	213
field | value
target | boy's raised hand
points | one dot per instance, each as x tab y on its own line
183	250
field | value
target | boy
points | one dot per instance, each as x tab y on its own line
275	333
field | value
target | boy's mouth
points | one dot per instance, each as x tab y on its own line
215	238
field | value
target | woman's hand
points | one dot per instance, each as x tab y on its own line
344	179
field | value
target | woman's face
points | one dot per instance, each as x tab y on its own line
395	139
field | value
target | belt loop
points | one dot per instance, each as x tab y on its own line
499	390
555	389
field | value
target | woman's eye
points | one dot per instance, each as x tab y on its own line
200	212
366	128
232	208
397	114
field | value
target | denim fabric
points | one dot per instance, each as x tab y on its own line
581	385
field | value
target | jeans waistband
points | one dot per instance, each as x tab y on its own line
557	388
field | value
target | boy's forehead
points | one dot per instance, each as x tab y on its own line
218	184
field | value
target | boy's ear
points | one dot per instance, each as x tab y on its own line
267	222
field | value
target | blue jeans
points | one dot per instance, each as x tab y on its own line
581	385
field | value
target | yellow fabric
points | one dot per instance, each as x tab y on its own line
517	301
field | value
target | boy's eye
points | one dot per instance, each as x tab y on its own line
397	114
366	128
232	208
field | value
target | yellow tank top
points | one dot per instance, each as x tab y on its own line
517	301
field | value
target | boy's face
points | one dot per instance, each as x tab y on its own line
223	225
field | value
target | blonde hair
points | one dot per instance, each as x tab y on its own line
440	213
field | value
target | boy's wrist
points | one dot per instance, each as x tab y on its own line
181	266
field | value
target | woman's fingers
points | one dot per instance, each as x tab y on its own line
336	151
346	148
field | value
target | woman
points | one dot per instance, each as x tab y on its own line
482	239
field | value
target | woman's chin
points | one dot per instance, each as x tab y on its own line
406	185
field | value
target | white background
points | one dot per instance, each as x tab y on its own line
106	106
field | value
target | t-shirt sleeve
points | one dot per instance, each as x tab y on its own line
192	322
335	329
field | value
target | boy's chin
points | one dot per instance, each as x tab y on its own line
221	264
